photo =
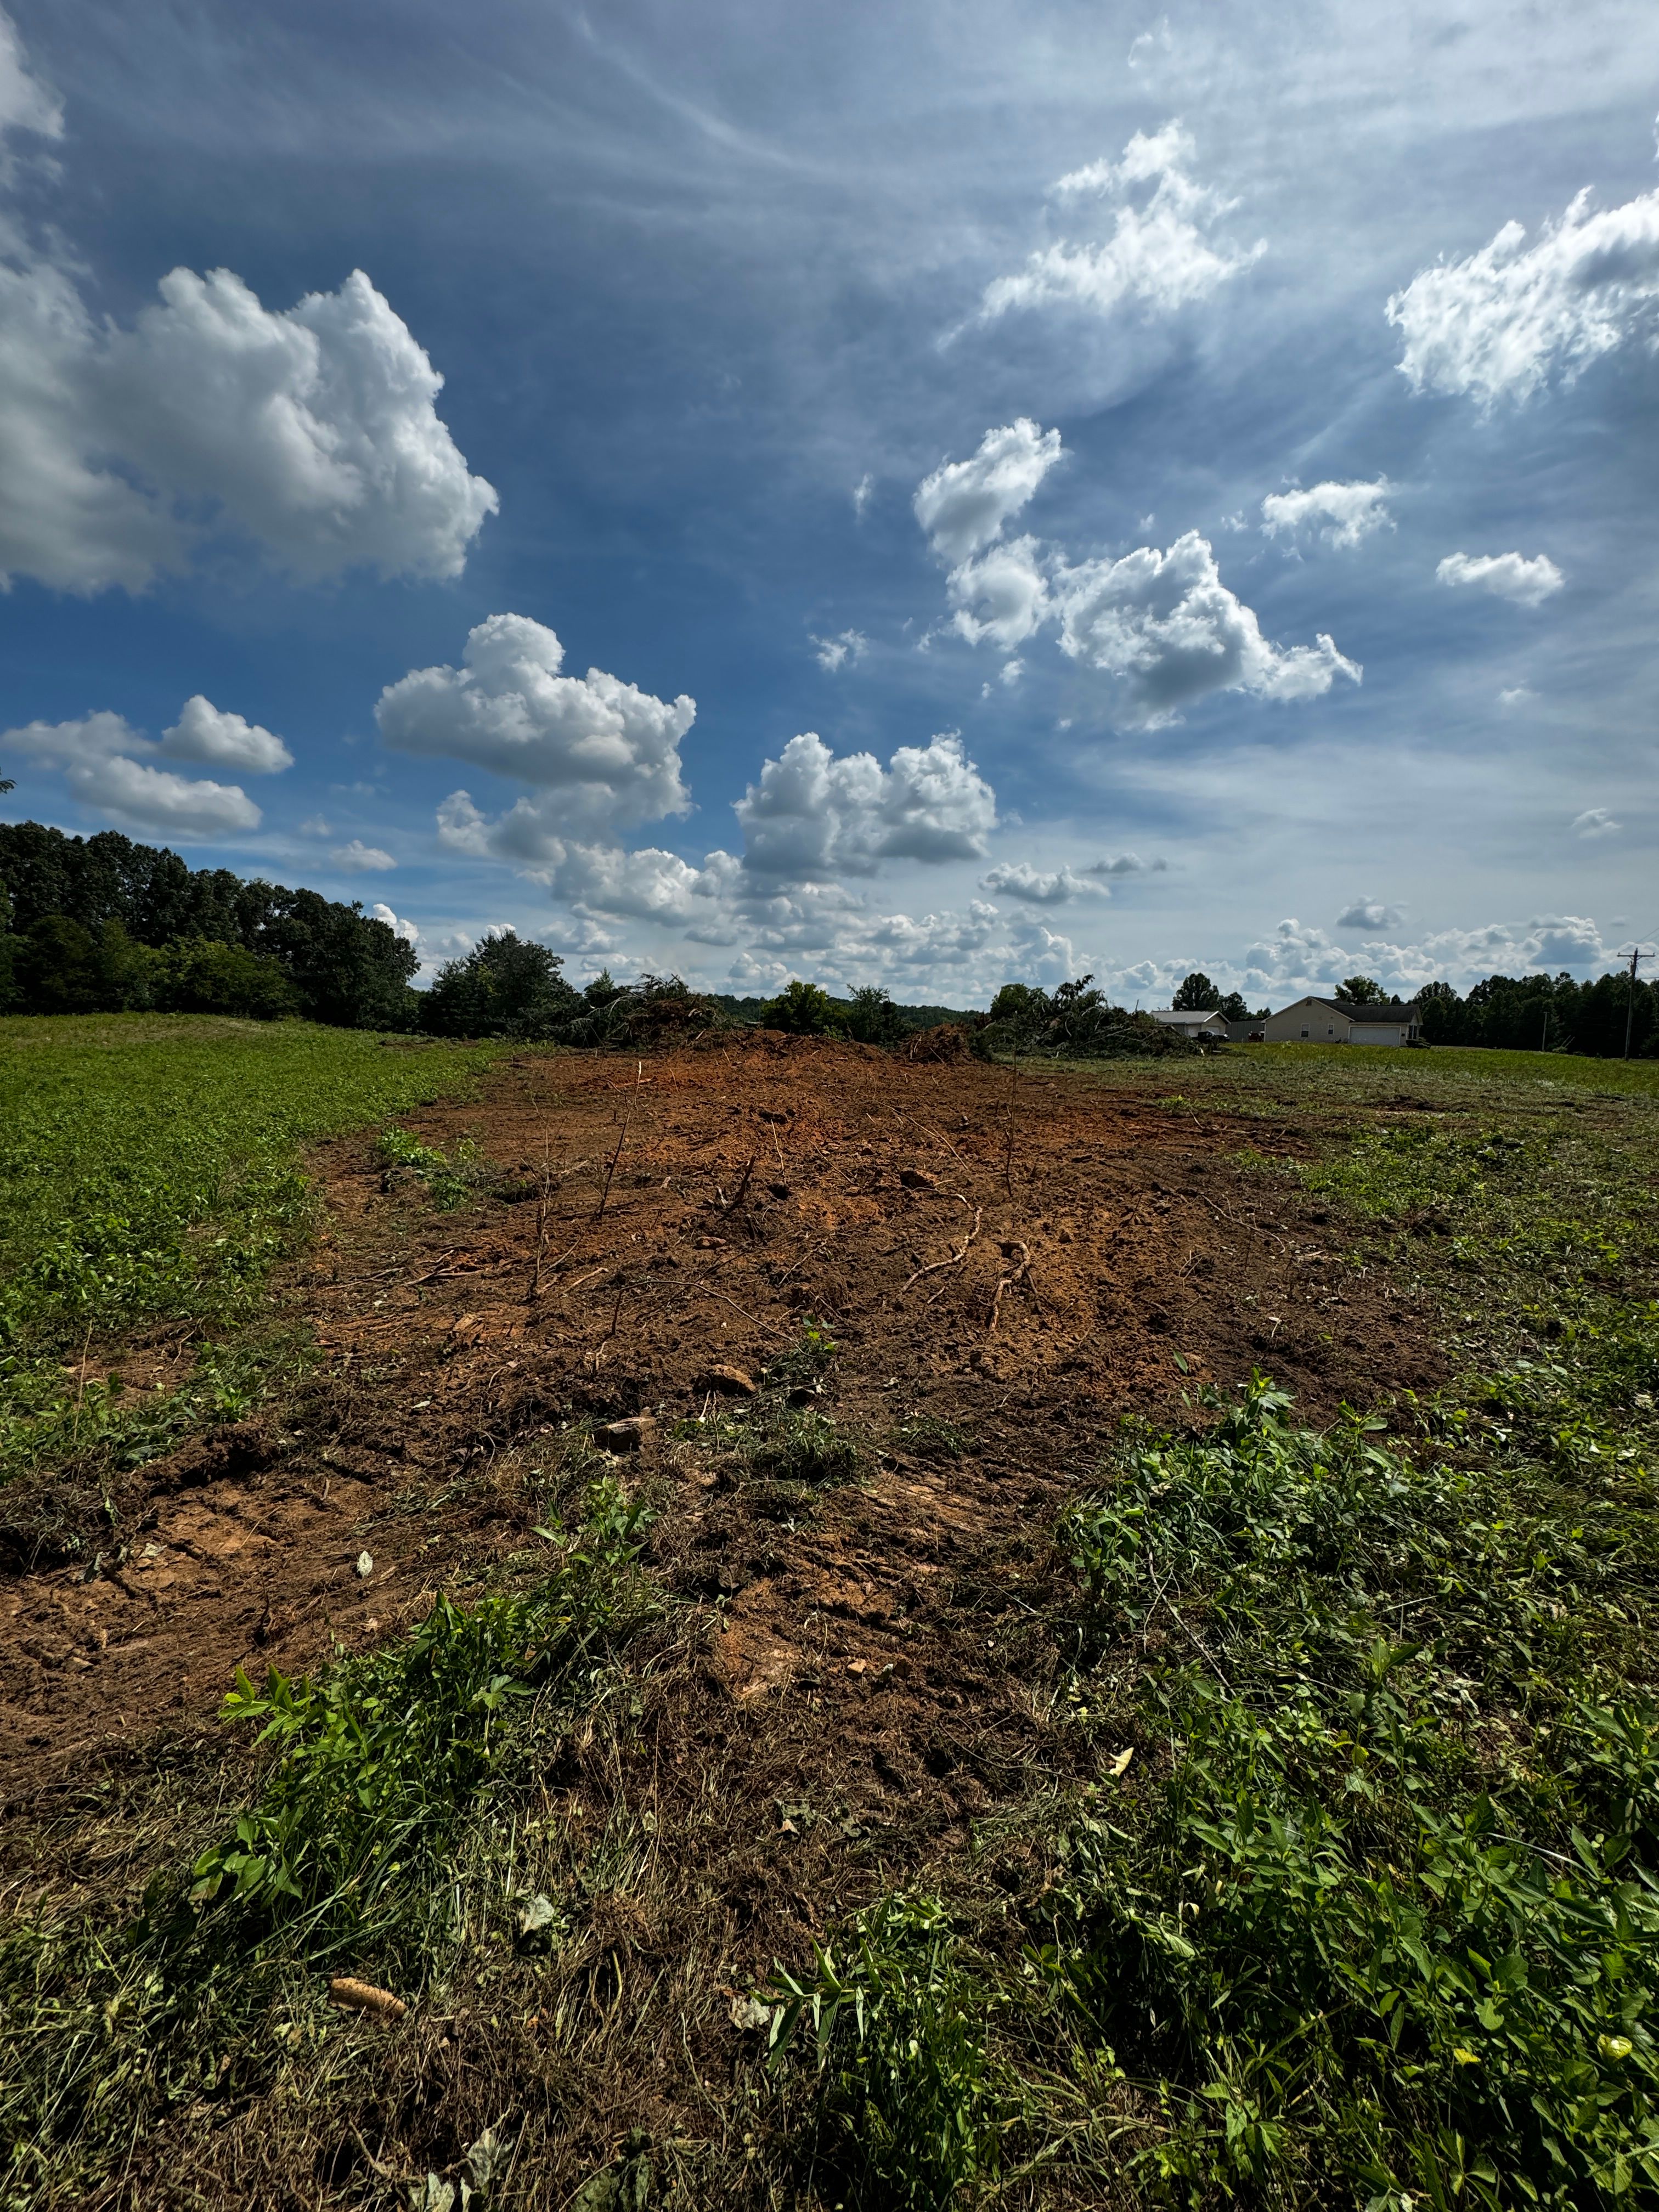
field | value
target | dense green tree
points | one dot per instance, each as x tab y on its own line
61	967
347	967
804	1010
508	986
1197	994
1232	1007
204	976
1542	1012
1360	991
1022	1009
872	1018
1439	1013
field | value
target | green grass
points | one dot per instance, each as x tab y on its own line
1363	1905
1634	1078
151	1170
1360	1905
1450	1072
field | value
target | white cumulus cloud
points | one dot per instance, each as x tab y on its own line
312	431
1594	821
609	750
160	800
834	652
1019	879
96	754
964	505
406	930
1503	320
205	732
357	855
1162	252
1169	628
1506	575
1368	913
1002	595
1300	958
1126	864
813	815
1340	514
1164	623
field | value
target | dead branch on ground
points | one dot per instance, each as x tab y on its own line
1019	1275
956	1258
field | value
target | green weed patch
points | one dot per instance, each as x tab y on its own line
448	1178
346	1860
1364	1905
149	1172
1380	1909
895	2018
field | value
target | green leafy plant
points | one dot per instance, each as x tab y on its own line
374	1760
810	1355
897	2037
1376	1955
450	1178
799	1443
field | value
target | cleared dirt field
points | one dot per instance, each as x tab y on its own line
762	1498
850	1681
1022	1259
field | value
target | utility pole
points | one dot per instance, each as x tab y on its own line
1630	994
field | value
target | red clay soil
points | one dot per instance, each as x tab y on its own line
1026	1260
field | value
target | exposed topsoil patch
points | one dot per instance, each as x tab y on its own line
1006	1268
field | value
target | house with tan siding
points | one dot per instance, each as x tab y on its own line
1329	1021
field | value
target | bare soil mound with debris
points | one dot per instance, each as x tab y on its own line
1016	1263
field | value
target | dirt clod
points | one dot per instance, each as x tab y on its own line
730	1378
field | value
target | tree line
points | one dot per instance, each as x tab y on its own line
98	925
1546	1014
102	924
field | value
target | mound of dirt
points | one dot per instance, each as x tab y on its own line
943	1046
784	1044
1014	1273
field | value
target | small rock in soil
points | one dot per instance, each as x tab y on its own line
626	1436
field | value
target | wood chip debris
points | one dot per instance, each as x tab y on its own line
364	1996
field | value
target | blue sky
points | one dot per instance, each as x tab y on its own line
917	493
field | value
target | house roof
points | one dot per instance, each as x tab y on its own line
1186	1017
1377	1010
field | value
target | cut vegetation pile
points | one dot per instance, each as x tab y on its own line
812	1627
